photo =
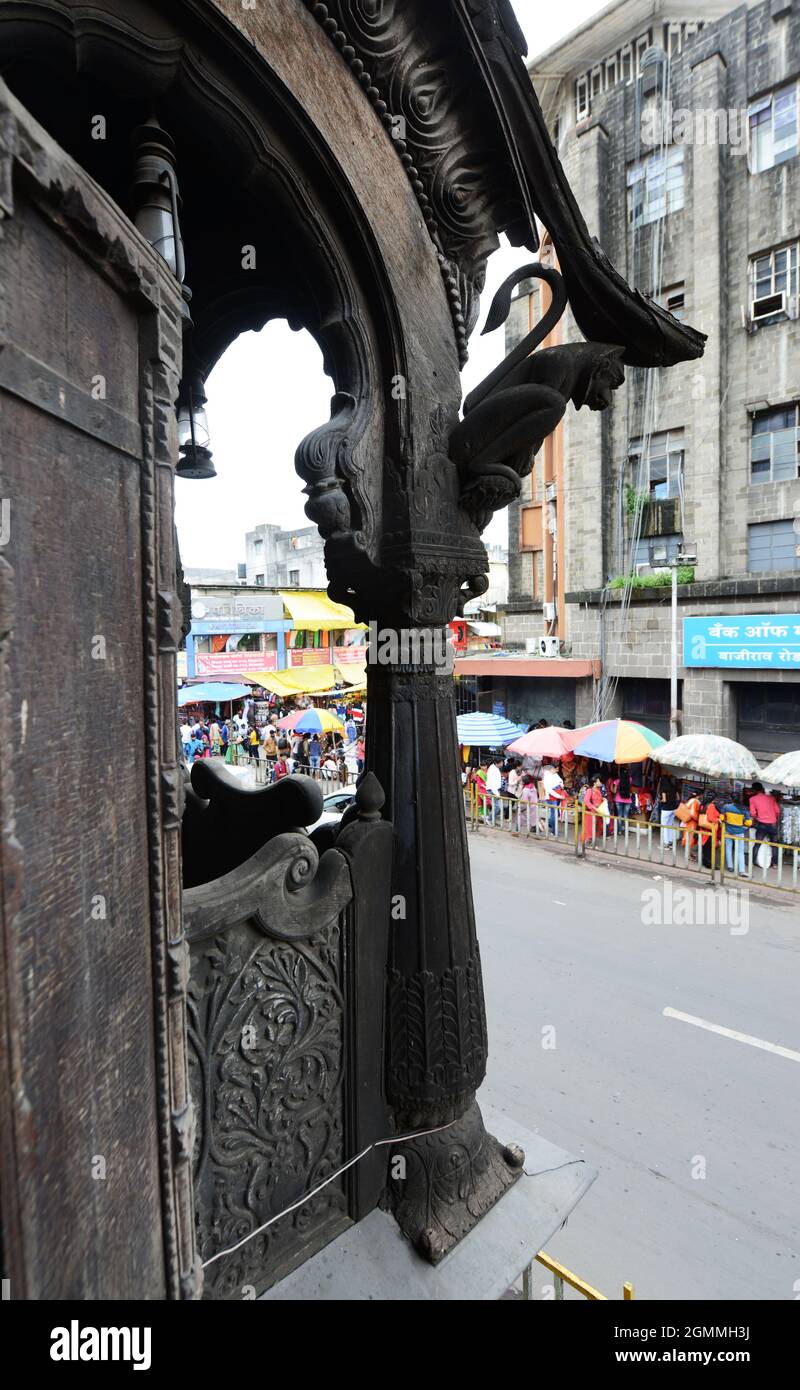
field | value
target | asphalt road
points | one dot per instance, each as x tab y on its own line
652	1101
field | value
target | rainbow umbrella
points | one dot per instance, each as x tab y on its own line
619	741
312	721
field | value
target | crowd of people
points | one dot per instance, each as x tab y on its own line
607	795
556	785
334	756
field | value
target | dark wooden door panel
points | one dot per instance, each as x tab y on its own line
96	1115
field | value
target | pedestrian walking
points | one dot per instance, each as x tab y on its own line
667	801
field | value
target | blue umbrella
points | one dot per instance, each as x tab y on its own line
486	730
213	691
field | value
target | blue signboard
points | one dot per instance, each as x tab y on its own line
745	642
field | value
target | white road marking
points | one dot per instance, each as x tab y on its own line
732	1033
558	902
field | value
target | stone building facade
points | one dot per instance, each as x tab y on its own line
680	138
280	559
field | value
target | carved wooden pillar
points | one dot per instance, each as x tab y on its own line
436	1039
437	1042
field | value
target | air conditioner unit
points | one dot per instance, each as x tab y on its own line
645	568
767	306
549	646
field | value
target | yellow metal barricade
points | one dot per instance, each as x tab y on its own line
562	1276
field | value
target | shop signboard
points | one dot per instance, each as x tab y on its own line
219	663
237	605
743	642
311	656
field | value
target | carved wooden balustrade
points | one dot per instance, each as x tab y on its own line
286	1016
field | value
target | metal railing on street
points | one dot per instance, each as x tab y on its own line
263	769
563	1276
719	853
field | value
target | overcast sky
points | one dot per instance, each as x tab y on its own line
269	390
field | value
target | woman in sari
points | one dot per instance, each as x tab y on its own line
592	822
478	780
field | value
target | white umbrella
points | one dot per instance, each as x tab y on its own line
785	771
710	754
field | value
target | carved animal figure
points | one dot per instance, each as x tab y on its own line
510	414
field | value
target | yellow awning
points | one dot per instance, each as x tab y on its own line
314	611
354	676
309	680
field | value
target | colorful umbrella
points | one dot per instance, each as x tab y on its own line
486	730
618	741
784	770
551	742
710	754
311	721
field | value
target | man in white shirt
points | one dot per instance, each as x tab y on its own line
553	785
494	780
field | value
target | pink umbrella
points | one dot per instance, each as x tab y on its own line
543	743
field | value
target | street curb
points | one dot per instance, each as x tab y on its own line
773	897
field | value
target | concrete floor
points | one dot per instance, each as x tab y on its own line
652	1101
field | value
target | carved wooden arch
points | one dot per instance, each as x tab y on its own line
195	62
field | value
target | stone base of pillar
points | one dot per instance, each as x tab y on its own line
448	1181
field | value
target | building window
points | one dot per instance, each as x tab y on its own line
674	37
518	321
581	98
259	579
775	445
663	477
657	551
772	545
768	716
642	46
611	72
655	186
673	299
773	284
647	702
772	122
258	542
626	63
294	577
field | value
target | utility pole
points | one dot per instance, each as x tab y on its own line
686	556
673	670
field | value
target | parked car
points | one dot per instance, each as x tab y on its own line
334	806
